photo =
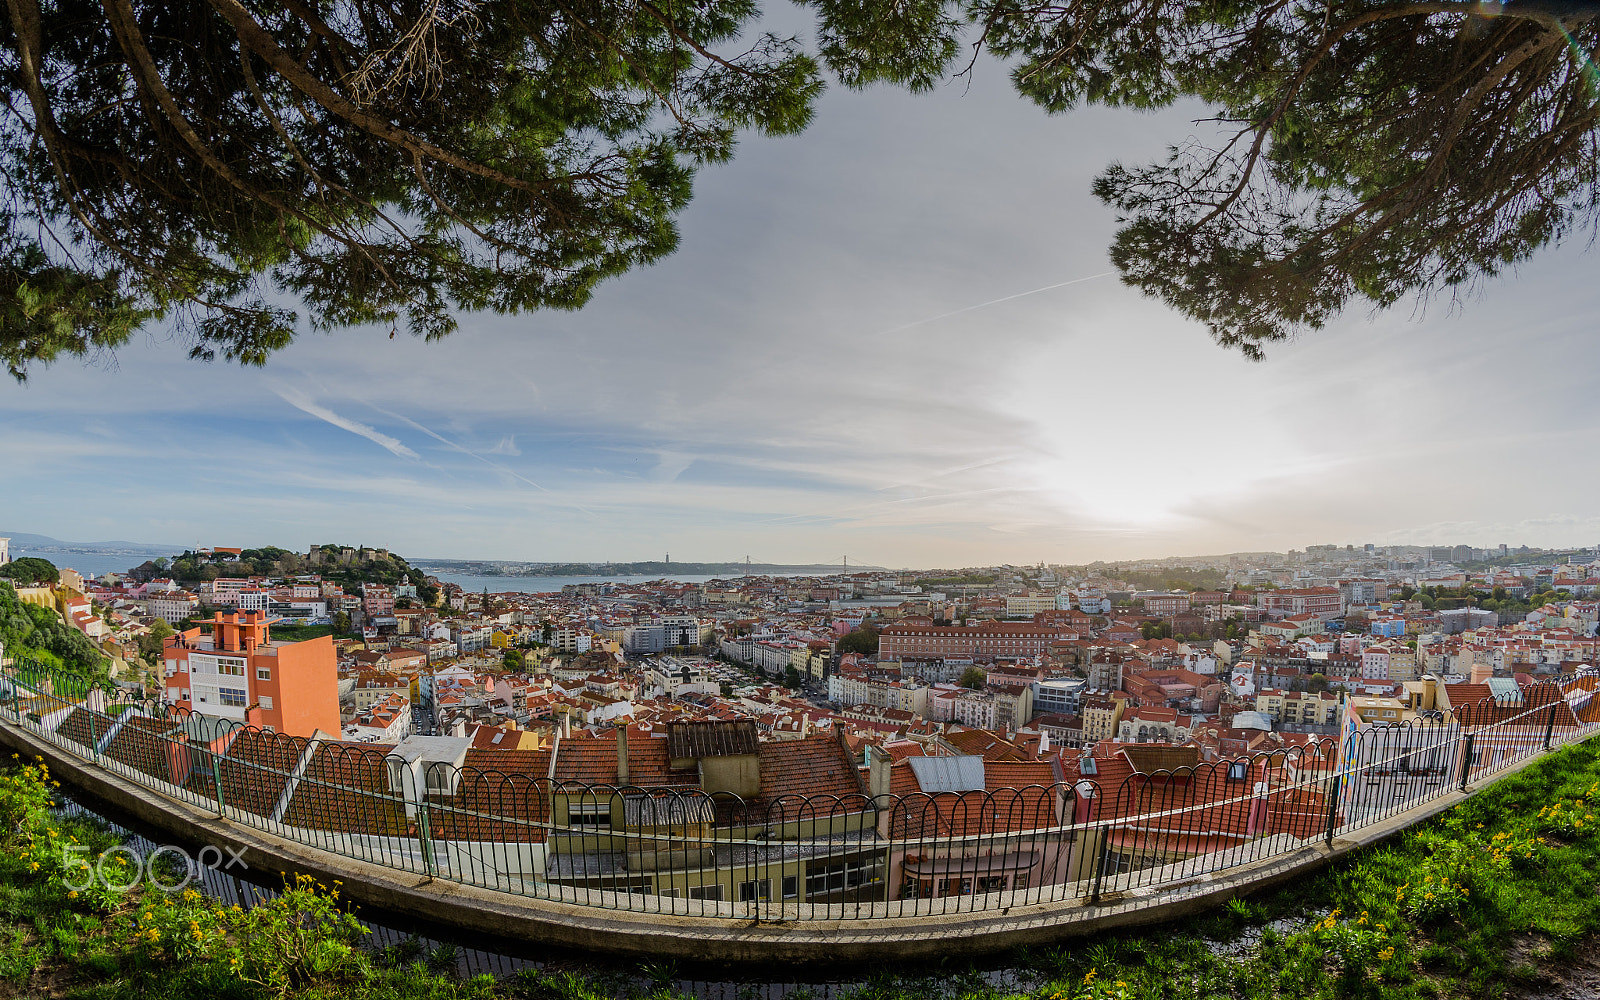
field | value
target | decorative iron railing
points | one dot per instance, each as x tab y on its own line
1137	826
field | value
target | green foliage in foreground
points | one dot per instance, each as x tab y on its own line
1470	905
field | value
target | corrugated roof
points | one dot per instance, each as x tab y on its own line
948	774
1149	758
712	739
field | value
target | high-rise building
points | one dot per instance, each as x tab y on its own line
238	672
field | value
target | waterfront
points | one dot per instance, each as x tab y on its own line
553	584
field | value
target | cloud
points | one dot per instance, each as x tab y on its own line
507	446
299	400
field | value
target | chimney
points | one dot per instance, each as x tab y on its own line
622	757
878	774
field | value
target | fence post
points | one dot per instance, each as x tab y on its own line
1333	809
425	837
1550	725
1466	760
94	738
1100	863
216	780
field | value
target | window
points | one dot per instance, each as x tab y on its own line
712	892
266	702
791	886
1238	770
263	673
832	878
230	667
1088	766
589	817
754	890
233	697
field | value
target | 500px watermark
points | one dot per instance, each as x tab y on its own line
121	868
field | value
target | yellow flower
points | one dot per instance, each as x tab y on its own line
1089	978
73	894
1386	954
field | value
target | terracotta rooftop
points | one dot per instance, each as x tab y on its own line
346	788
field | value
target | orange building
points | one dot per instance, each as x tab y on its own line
238	672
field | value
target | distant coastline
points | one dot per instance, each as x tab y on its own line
494	568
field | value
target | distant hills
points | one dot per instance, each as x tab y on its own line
43	545
473	567
54	549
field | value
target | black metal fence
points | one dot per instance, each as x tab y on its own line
1148	821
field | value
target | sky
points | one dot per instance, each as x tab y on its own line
895	338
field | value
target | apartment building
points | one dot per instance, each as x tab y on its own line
1002	639
1165	605
239	672
377	601
1028	605
1324	602
172	607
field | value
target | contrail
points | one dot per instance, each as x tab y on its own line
994	302
300	401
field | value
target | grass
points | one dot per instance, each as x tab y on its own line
1489	900
299	633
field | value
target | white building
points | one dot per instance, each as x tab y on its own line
172	607
974	708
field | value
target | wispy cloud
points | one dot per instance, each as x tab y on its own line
300	401
507	446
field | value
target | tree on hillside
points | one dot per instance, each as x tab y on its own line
207	162
33	633
1367	151
791	678
151	643
973	678
30	570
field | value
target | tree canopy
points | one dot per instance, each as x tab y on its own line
863	641
30	570
205	161
1367	151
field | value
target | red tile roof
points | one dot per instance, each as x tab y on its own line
346	788
256	769
501	796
